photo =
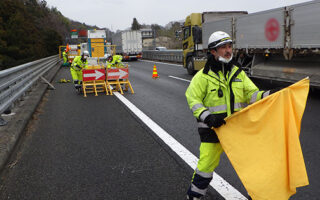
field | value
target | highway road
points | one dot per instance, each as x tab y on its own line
97	148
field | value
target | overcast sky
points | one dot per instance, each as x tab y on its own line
119	14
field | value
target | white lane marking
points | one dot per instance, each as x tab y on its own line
161	63
186	80
218	183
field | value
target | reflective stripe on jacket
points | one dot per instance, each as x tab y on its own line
237	88
78	61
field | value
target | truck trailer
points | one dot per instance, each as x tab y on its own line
194	51
128	44
278	44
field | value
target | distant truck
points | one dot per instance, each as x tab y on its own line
128	44
279	44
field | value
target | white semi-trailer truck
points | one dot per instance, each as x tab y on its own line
279	44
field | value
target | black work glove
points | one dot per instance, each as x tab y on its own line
214	121
78	67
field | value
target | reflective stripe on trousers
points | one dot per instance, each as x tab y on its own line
197	190
208	161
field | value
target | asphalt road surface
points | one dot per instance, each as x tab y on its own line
96	148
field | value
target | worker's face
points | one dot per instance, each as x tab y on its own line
224	51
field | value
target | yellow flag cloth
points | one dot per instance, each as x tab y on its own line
262	143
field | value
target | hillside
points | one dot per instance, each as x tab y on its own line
29	30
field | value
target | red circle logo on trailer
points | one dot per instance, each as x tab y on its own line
272	29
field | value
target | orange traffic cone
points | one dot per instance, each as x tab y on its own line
155	73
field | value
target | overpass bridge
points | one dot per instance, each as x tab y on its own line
60	145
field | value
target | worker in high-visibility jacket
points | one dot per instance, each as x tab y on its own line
114	61
79	63
215	92
65	56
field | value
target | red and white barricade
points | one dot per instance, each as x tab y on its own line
94	81
118	77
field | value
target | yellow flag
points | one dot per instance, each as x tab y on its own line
262	143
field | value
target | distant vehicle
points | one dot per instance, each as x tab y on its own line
128	44
161	48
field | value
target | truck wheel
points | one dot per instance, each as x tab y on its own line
190	66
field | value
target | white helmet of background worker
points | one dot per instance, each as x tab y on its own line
218	39
85	54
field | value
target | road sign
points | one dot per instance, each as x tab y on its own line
93	74
272	29
120	73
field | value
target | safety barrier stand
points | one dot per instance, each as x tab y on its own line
119	77
94	81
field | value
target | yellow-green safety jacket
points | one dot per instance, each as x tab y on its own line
77	61
115	59
203	98
65	56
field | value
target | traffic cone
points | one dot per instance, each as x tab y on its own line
155	73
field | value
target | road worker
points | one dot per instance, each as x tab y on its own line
114	61
65	57
215	92
79	63
109	61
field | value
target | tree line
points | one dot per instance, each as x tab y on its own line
29	30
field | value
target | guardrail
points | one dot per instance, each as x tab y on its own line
14	82
167	55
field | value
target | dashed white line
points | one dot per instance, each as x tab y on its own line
186	80
218	183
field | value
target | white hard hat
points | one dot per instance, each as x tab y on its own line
107	55
218	38
85	53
